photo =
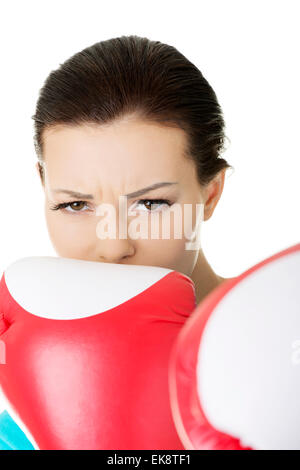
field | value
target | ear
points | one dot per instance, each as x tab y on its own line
213	193
39	170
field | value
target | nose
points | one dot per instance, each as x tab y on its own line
113	244
114	251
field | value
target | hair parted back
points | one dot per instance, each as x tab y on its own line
132	75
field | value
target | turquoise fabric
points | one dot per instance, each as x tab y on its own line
11	436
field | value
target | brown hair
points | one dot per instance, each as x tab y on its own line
131	75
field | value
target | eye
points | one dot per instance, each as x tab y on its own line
149	203
75	206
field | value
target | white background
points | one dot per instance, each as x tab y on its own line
249	53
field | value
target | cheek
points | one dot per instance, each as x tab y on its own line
170	254
68	235
183	220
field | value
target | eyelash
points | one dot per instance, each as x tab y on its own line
63	205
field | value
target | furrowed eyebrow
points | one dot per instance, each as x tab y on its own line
73	193
138	193
149	188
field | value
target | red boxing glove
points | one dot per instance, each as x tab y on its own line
87	351
235	367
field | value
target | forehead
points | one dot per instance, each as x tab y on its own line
126	149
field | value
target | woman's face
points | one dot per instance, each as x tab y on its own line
109	161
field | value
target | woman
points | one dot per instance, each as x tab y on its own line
117	117
129	117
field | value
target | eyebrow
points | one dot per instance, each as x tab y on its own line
138	193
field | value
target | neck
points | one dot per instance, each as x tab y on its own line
204	278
